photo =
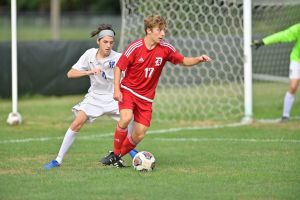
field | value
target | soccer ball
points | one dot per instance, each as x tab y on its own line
14	118
143	161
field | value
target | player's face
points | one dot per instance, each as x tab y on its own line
157	34
105	45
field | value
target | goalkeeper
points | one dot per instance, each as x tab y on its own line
291	34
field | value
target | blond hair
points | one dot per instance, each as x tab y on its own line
154	21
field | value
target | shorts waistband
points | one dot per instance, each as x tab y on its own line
136	94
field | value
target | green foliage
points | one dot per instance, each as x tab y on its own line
103	6
33	5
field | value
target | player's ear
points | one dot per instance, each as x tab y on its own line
149	30
98	42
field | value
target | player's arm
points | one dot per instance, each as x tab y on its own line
117	79
287	35
190	61
74	73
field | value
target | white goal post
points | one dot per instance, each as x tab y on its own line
14	117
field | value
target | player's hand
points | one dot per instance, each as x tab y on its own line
118	96
257	43
95	71
204	58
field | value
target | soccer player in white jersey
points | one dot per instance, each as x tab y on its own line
98	64
143	61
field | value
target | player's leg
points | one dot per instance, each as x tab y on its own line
113	111
107	160
68	140
130	127
75	127
129	107
289	98
133	152
142	117
129	143
293	86
133	139
121	132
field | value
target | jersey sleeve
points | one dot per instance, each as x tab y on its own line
175	57
172	55
128	56
287	35
123	62
83	63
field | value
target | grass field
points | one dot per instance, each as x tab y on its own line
257	161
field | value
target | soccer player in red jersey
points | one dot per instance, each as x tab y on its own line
143	61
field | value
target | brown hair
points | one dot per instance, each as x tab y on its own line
101	28
153	21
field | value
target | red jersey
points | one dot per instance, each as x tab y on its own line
143	67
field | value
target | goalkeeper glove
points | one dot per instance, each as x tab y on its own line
257	43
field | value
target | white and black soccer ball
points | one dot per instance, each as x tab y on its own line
143	161
14	118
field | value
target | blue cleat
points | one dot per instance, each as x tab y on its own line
51	164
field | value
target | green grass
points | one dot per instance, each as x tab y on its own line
257	161
268	100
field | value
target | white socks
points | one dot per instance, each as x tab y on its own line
288	104
66	144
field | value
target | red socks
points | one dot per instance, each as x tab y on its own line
120	135
127	145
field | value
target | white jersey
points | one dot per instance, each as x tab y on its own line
102	83
99	99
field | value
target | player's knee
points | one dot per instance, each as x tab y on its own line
293	86
76	126
124	122
138	137
293	89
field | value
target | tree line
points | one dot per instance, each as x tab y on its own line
103	6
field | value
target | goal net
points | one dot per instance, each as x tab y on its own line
209	91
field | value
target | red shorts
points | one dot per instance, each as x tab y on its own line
142	109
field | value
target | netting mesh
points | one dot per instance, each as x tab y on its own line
212	91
